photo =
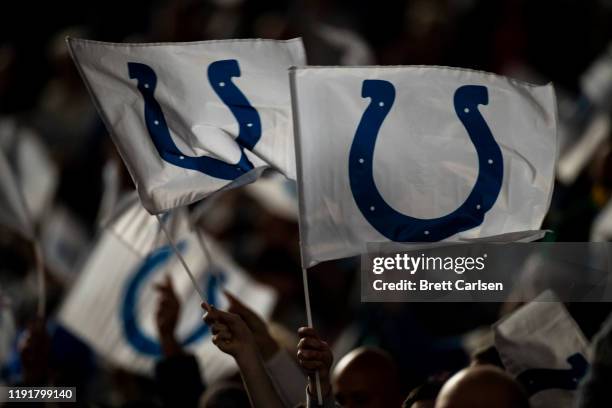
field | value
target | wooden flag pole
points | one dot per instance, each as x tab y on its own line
42	283
181	259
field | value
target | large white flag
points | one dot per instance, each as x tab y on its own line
192	118
113	303
418	154
542	346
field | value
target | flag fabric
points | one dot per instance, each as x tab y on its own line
542	346
601	230
191	118
419	154
13	212
112	305
34	170
8	332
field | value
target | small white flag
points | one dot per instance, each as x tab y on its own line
113	303
419	154
542	346
192	118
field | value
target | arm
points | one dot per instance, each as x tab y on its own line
177	374
287	377
232	336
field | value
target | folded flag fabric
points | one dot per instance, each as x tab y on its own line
112	305
192	118
542	346
419	154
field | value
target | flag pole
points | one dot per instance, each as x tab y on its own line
42	284
181	259
296	132
209	258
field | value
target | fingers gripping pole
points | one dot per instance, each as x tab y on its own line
180	258
309	321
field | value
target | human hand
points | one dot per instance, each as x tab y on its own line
266	344
314	356
230	333
166	316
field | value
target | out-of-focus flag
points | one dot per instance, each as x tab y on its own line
13	212
601	230
542	346
7	334
419	154
113	303
192	118
34	170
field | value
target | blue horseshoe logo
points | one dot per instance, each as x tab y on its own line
132	331
403	228
540	379
220	74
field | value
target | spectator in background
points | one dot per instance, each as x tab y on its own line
482	387
424	396
367	377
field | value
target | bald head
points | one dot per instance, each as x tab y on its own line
482	387
367	378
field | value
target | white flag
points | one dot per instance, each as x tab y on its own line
192	118
418	154
542	346
13	212
113	303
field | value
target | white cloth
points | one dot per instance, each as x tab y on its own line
112	305
460	155
192	118
544	348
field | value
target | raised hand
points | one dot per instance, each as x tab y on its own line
314	356
230	333
267	346
166	316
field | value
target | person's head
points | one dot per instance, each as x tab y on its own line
225	395
423	396
367	378
482	386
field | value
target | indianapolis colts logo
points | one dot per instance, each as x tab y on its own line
220	74
539	379
404	228
134	334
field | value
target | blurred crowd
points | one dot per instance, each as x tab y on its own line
363	354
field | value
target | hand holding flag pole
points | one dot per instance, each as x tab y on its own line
309	320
